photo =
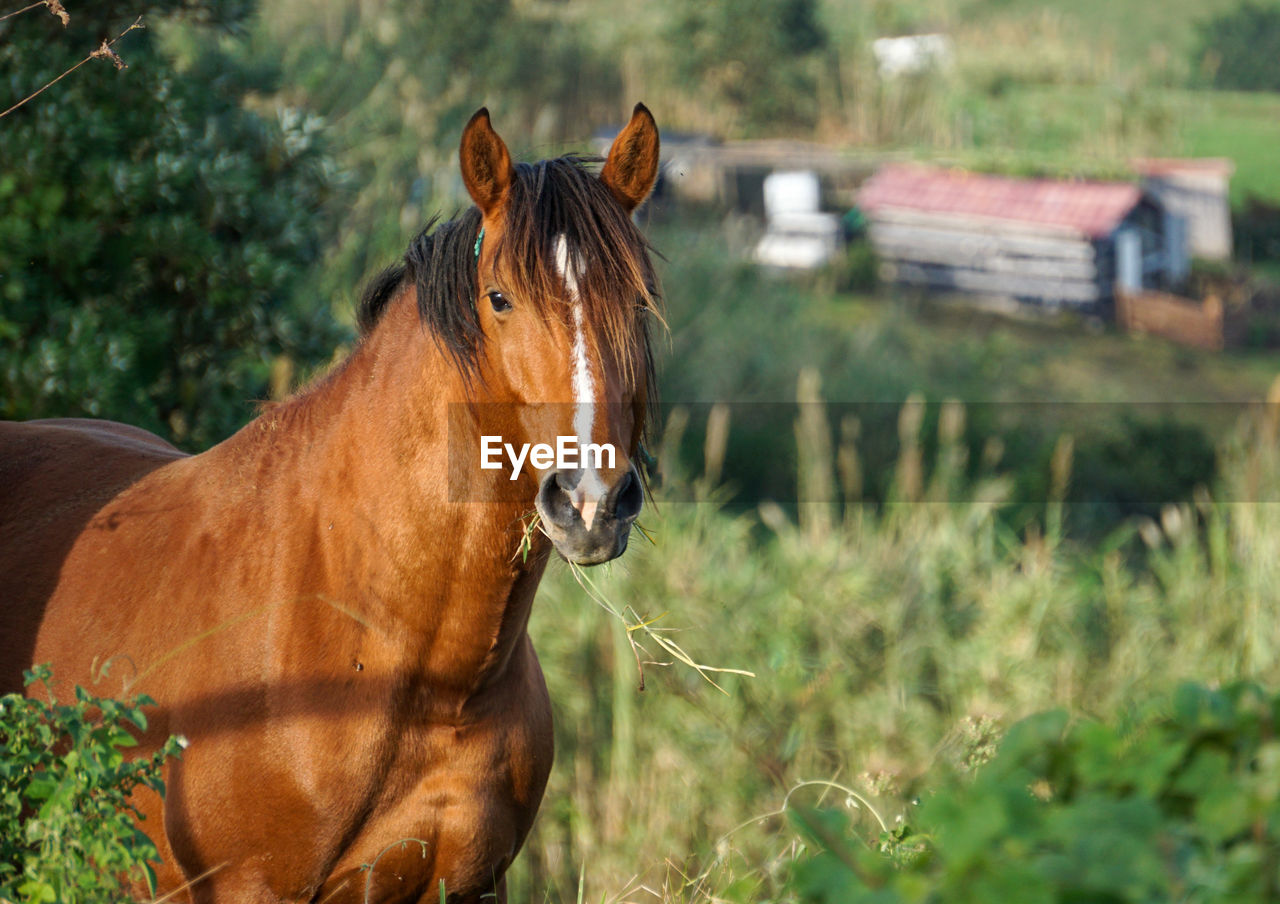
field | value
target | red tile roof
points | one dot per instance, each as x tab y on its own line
1091	208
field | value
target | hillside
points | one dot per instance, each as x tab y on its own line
1136	31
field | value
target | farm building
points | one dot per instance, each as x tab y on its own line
1053	243
1196	190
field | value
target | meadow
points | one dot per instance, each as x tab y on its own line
893	648
918	524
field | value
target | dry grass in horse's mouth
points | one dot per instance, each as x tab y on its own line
632	622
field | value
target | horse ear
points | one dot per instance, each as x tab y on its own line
486	165
631	168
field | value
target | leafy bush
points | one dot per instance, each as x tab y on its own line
756	57
1257	230
858	268
1240	50
1137	467
1182	803
67	830
153	231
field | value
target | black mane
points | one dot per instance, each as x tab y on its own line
440	262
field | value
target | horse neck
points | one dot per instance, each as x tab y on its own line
363	457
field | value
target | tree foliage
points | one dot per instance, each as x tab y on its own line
398	79
152	229
1240	50
756	56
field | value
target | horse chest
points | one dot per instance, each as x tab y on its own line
456	803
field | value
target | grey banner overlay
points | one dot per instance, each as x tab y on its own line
1127	453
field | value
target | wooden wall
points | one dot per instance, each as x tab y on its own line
954	253
1194	323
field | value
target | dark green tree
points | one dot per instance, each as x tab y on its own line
1240	50
398	80
153	231
759	56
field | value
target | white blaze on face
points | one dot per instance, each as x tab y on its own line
590	490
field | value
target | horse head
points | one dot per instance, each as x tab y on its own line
564	290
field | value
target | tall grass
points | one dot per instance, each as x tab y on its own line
898	638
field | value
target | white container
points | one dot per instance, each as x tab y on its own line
791	192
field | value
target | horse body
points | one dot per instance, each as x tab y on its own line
335	625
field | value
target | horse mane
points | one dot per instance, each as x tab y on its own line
440	263
552	198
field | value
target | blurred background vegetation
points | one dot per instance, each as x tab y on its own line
1004	530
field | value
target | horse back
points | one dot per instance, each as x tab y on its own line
55	476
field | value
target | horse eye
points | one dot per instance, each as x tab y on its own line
499	302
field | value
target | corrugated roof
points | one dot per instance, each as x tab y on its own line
1091	208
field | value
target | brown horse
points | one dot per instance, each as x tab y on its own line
332	604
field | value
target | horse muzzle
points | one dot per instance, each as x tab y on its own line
589	521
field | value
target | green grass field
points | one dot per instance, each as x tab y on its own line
1074	89
1093	131
1242	126
972	355
1134	30
885	648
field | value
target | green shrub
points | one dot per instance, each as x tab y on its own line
754	57
1240	50
67	829
1178	804
858	268
153	231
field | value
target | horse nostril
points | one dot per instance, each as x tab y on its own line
628	497
553	498
561	503
568	480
